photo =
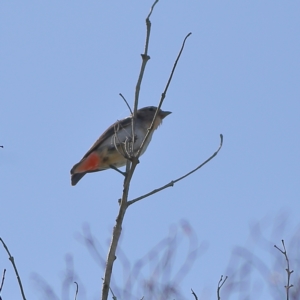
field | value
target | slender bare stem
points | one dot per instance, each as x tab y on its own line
288	270
76	292
2	281
220	284
193	293
126	103
15	268
163	95
113	295
145	58
171	183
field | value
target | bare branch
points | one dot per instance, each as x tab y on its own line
126	103
163	95
76	293
288	270
131	165
117	231
3	278
15	268
174	67
113	295
129	172
145	58
196	298
170	184
220	284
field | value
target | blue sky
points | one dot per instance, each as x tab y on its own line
63	65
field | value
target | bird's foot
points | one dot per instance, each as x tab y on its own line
116	169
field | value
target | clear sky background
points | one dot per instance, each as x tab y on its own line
63	64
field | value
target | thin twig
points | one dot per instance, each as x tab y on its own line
174	67
163	95
288	270
76	290
118	143
15	268
113	295
196	298
170	184
126	103
220	284
2	282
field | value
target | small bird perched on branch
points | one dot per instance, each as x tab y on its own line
114	146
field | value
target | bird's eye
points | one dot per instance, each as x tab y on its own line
151	108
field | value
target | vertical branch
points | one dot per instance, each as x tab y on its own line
117	233
145	58
288	270
15	268
129	170
131	165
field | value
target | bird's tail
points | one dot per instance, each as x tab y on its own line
86	165
76	177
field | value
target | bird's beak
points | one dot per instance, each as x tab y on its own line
163	114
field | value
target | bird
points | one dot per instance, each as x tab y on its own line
112	149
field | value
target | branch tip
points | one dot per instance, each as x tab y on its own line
151	10
76	292
15	268
194	294
120	94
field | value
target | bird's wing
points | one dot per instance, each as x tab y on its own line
119	127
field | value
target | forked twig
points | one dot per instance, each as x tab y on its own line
220	284
170	184
288	270
15	268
